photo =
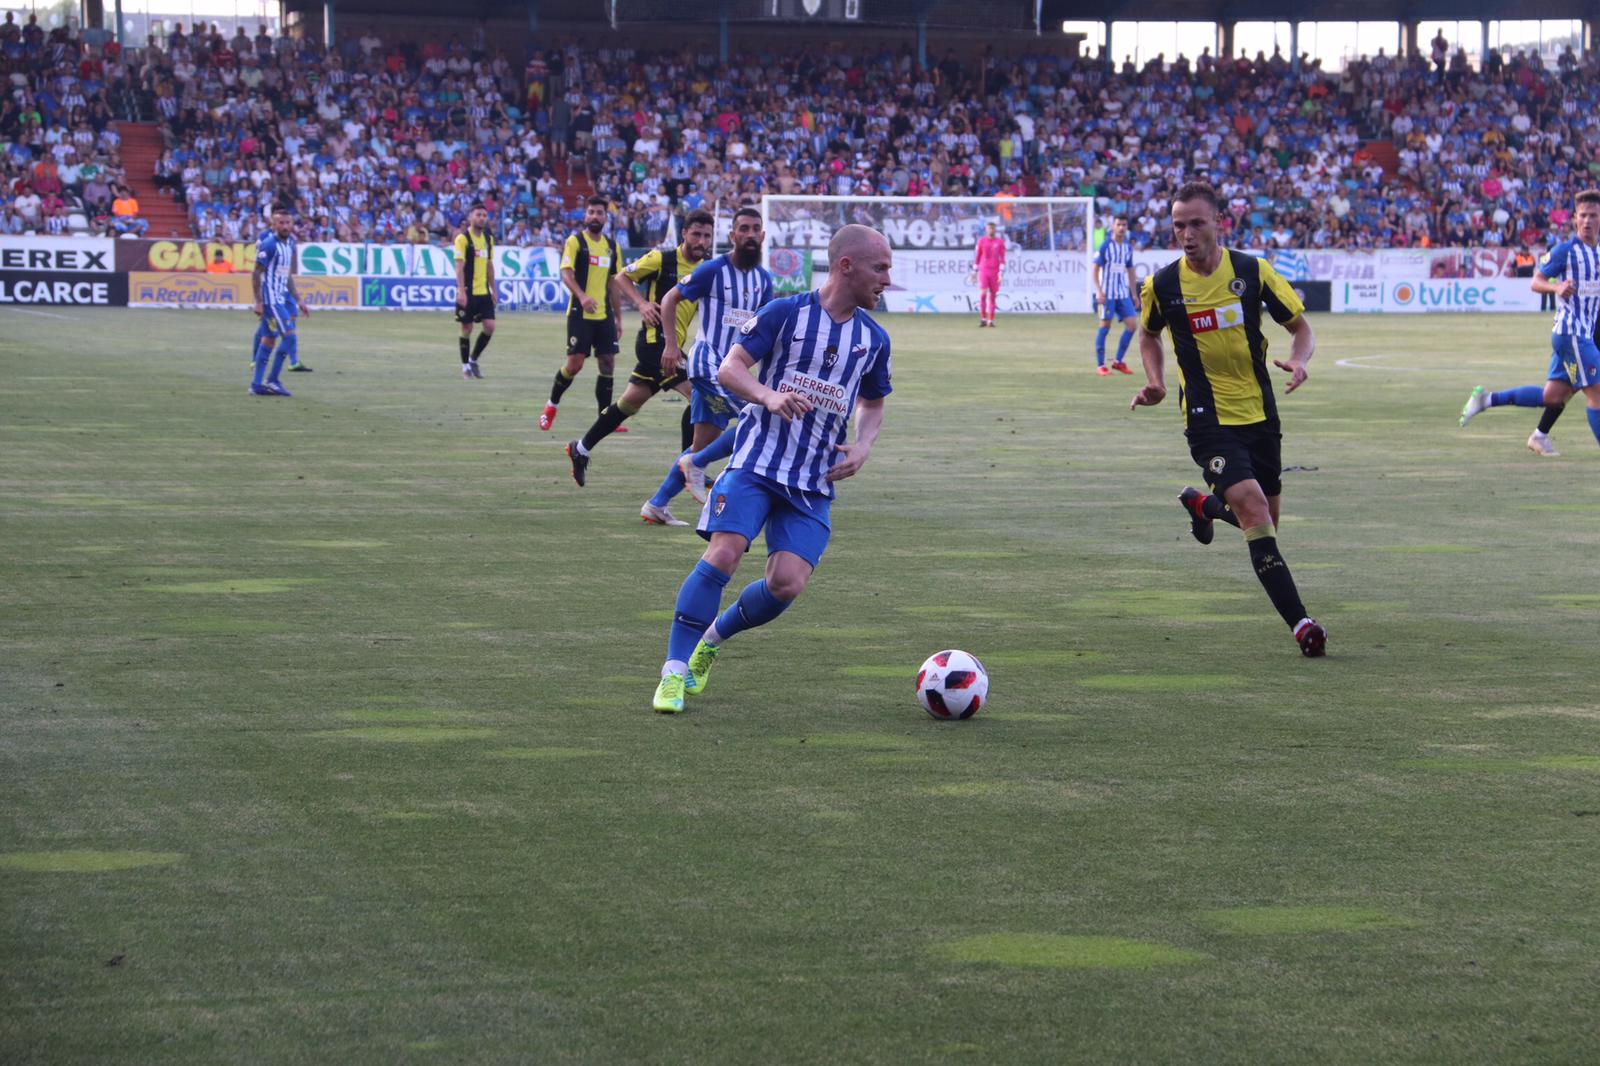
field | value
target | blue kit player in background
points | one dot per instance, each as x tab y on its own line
821	359
1117	295
276	304
1571	273
729	289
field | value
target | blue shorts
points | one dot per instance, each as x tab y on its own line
743	502
1119	307
1575	360
278	318
710	405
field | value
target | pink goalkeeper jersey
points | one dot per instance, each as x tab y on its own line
991	255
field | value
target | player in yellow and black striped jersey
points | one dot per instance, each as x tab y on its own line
474	288
589	260
658	271
1211	301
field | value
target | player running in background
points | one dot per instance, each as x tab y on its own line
1114	289
475	288
988	267
821	359
729	289
1571	273
658	270
276	304
1211	302
594	320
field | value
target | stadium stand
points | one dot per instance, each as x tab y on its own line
390	141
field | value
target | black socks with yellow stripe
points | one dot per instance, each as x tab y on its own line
562	382
1273	572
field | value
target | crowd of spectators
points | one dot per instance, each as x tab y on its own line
60	162
391	141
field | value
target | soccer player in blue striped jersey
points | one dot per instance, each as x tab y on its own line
822	358
729	290
1117	294
276	304
1571	273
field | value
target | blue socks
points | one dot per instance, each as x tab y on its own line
1122	345
286	350
756	606
671	485
1527	396
1100	343
698	599
1594	422
720	448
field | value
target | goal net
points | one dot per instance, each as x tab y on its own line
1048	248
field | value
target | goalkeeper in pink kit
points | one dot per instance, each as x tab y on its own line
987	266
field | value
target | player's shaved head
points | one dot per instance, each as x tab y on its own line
855	242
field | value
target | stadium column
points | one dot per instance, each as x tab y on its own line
722	29
1225	40
121	32
1408	42
327	24
533	17
1294	45
1105	47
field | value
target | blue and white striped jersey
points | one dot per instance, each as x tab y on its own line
277	258
728	298
801	349
1114	258
1580	263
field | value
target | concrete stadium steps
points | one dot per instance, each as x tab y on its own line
141	147
1386	155
572	188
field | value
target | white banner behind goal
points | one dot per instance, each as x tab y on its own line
1048	248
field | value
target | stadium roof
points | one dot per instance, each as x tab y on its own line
999	16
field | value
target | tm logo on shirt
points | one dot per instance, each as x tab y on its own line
1228	316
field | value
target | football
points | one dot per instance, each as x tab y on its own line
952	685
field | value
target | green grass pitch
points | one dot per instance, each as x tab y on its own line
325	730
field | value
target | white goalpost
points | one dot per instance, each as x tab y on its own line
1049	247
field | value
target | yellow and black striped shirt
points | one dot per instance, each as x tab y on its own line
648	271
593	262
1215	322
473	249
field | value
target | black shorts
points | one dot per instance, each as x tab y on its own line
647	371
1231	454
478	309
590	336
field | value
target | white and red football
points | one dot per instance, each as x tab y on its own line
952	685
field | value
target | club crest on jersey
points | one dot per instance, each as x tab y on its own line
717	508
830	356
1217	464
1236	286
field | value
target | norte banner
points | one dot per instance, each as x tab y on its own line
175	255
62	288
83	255
184	289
